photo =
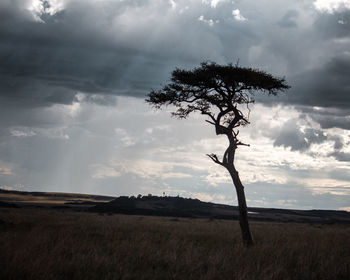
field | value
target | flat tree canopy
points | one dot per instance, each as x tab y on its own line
219	92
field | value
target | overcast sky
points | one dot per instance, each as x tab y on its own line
74	75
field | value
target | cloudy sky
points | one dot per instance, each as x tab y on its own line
74	75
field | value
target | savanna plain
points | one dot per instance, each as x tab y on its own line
57	244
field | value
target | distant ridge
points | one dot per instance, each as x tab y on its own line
162	206
166	206
58	194
194	208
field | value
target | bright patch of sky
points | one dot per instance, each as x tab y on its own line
210	21
100	171
49	7
163	154
22	133
5	171
213	3
173	4
331	6
237	15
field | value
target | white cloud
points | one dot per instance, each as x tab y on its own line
211	22
203	196
173	4
18	187
7	188
213	3
22	133
53	133
163	127
328	185
345	209
40	7
331	6
175	175
124	137
5	171
237	15
149	169
342	22
100	171
217	176
182	10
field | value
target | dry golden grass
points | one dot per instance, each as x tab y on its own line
50	198
44	244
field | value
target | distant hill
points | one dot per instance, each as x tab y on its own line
59	200
162	206
166	206
58	195
186	207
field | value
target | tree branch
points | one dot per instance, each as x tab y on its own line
210	122
214	158
203	112
242	144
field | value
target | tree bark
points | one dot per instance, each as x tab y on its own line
242	207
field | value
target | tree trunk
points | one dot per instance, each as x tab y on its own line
242	208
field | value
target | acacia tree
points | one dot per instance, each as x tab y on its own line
223	94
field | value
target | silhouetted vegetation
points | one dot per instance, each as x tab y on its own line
222	93
163	206
7	205
158	206
194	208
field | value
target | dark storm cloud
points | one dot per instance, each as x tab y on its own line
47	61
324	87
329	121
291	135
289	20
328	117
113	48
338	142
341	156
323	93
318	61
103	49
128	47
333	25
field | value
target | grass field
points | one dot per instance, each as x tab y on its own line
49	244
49	198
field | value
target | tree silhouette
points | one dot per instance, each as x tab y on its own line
222	93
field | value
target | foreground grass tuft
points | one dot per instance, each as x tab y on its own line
43	244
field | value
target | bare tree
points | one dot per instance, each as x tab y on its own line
222	93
